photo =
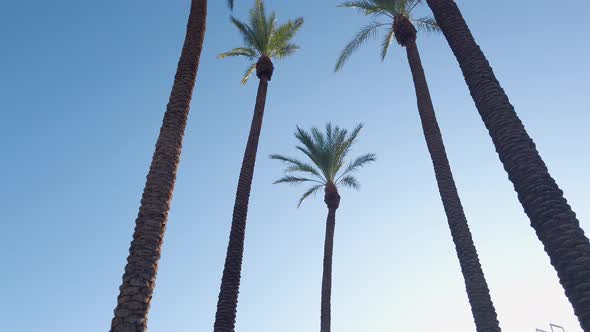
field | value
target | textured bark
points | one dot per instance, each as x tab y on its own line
332	200
264	67
139	278
482	308
552	218
404	30
225	318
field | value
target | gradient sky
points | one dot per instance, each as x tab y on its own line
83	87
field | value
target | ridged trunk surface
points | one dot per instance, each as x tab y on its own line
552	218
332	200
225	318
482	308
142	263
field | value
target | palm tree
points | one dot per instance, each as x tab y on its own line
264	40
327	152
403	26
552	218
139	279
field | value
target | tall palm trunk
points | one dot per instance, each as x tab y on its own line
142	263
225	317
482	308
332	200
552	218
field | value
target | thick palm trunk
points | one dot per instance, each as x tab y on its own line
478	293
227	304
142	263
552	218
326	316
332	200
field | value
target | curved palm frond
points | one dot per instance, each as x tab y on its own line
327	151
279	42
286	51
230	4
366	7
239	51
309	148
358	163
262	36
367	32
347	143
382	8
248	35
342	143
426	24
295	165
251	69
309	192
350	181
261	26
295	180
386	43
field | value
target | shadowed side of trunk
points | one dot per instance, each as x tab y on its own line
332	200
227	304
552	218
139	279
482	308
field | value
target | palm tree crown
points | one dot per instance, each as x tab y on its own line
263	38
327	152
390	9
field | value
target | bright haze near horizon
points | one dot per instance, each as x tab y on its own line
83	88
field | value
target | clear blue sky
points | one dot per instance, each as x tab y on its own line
83	87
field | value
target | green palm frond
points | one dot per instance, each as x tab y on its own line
347	142
309	192
248	35
286	51
290	179
350	181
262	36
366	7
386	43
318	136
342	142
308	148
388	9
367	32
230	4
279	41
294	165
261	26
359	162
239	51
327	150
426	24
251	69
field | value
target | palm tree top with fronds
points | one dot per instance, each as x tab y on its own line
398	11
263	39
328	153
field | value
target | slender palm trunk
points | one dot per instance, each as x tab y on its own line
225	318
139	278
478	293
552	218
332	200
326	315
